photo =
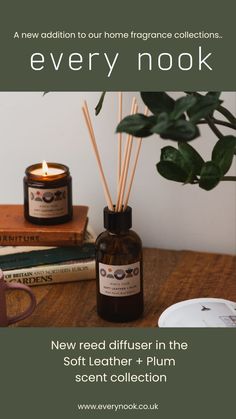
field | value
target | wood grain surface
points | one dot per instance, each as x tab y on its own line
169	277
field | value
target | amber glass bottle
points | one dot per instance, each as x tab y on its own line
119	269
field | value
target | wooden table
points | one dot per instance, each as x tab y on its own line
169	277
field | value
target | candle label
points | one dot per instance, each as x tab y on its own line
48	203
119	280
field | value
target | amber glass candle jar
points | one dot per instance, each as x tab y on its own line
47	194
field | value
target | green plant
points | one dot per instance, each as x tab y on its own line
179	120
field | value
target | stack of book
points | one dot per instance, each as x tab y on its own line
39	255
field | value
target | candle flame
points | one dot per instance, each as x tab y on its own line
45	168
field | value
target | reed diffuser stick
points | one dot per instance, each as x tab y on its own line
139	140
124	165
133	173
120	97
122	174
95	148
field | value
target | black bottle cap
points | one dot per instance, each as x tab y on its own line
116	222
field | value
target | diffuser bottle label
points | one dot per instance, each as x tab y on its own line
48	203
119	280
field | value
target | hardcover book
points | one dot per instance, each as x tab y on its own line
16	231
49	265
76	270
19	257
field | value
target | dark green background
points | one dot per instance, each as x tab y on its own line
35	384
116	16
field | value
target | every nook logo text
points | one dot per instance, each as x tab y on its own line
146	59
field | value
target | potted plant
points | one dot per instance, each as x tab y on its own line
180	120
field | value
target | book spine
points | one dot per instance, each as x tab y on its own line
42	238
89	238
52	274
47	257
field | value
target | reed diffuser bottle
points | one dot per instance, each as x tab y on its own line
119	269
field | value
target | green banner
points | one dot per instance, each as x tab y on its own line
125	45
104	373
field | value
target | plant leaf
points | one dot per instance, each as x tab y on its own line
173	155
191	156
182	105
181	130
215	94
204	106
172	171
210	176
163	122
158	102
138	125
100	103
223	152
170	153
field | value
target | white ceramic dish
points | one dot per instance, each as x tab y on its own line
200	312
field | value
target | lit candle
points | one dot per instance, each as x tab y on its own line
46	170
47	193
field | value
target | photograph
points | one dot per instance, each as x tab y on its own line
118	209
